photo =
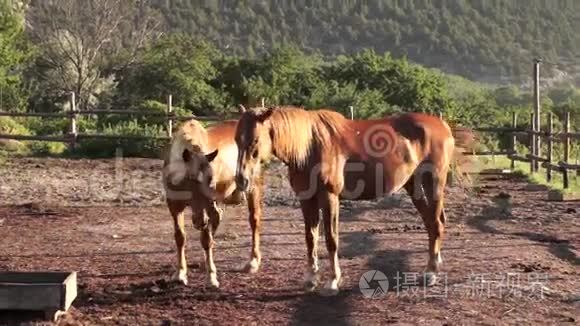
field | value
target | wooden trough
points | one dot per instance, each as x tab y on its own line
49	292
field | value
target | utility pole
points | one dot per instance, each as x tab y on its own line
537	109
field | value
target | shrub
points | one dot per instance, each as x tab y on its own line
43	148
12	127
129	147
145	106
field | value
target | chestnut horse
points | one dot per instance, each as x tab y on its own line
330	157
198	171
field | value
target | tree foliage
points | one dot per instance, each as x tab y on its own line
14	53
481	39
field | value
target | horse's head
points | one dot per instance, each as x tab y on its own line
199	172
189	177
253	137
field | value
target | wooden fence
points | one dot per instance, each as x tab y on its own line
534	134
534	158
73	136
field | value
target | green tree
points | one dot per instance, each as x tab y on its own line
179	65
14	54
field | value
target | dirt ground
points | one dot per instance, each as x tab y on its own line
509	256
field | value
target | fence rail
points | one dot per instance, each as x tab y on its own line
72	137
533	133
103	112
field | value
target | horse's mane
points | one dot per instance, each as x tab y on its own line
296	131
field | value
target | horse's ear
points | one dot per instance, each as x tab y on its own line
263	103
241	108
265	115
186	155
211	156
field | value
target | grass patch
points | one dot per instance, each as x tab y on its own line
523	169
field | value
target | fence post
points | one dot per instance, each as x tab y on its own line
169	115
566	149
550	145
73	121
351	108
537	110
532	142
514	138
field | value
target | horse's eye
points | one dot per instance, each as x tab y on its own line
255	153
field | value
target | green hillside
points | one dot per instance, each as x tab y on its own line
488	40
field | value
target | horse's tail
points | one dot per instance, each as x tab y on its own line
190	136
465	141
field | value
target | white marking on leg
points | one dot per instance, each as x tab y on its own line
212	280
311	277
332	286
252	266
211	269
181	276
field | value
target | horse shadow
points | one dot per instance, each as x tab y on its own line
319	310
501	210
560	248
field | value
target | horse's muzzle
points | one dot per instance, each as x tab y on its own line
242	183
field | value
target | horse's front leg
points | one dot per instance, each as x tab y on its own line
176	208
330	204
311	222
255	216
214	215
207	244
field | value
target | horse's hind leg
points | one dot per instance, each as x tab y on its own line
311	222
176	208
329	203
435	187
429	203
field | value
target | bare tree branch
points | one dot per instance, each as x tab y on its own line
78	37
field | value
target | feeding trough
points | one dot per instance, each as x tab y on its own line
50	292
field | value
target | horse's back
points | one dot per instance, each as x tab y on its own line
385	152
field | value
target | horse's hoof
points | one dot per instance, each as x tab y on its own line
310	281
251	267
213	282
429	278
330	289
180	277
310	285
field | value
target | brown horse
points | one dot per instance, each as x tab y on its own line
199	170
330	157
